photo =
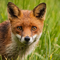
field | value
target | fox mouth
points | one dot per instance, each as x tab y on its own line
24	43
26	40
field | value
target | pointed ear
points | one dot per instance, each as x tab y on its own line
13	10
39	11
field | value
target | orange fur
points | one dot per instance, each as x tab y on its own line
8	30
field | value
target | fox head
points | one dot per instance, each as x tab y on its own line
26	25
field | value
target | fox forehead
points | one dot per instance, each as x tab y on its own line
26	13
27	19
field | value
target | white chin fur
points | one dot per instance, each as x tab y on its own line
21	39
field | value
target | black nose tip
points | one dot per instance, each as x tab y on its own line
27	38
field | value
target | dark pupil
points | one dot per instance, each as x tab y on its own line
19	27
33	28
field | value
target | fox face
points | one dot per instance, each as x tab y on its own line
26	25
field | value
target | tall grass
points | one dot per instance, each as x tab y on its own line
49	44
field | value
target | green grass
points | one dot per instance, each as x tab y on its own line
49	44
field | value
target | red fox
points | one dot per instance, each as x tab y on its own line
20	34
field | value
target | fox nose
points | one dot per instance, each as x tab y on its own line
27	38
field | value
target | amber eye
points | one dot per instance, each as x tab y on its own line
19	27
34	28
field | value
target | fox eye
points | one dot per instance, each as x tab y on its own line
19	27
34	28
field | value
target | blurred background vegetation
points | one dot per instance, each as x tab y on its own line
49	44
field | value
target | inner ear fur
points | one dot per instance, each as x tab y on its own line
39	11
13	10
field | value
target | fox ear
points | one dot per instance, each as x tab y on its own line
13	10
39	11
